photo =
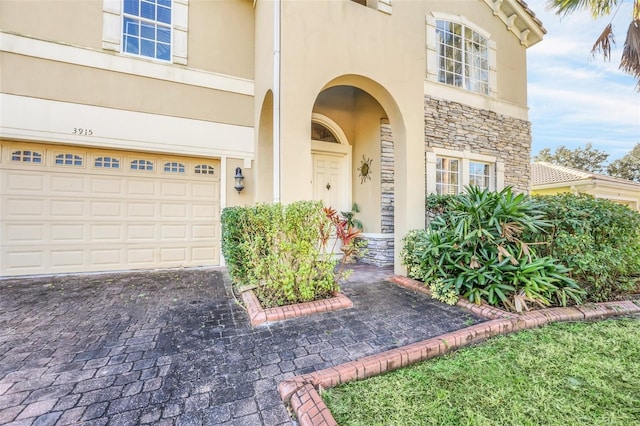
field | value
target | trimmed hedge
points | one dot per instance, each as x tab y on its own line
597	238
278	250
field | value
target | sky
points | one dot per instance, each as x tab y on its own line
575	99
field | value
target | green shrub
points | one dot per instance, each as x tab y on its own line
278	250
475	248
597	239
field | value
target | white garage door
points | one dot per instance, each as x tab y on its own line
76	210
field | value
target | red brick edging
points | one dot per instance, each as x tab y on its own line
302	391
258	315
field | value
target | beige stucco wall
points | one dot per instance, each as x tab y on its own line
220	36
75	22
247	196
34	77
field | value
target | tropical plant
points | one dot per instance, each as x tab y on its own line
630	59
346	234
475	248
597	239
350	216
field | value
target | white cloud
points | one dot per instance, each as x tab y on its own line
574	98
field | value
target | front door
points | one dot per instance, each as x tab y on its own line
328	181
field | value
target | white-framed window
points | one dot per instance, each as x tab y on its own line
142	165
460	54
146	28
155	29
174	167
204	169
447	175
68	160
449	171
27	156
107	163
480	174
463	57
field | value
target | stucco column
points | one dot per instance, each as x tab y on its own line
409	178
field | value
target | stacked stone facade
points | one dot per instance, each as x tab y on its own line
454	126
457	127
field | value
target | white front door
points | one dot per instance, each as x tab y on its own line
329	184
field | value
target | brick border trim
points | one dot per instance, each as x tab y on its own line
302	391
258	315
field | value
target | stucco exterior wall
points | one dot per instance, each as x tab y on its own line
458	127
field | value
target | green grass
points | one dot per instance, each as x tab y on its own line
562	374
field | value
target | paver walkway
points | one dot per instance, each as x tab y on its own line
173	347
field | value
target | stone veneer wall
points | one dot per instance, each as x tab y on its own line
386	176
451	125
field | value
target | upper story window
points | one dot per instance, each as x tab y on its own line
155	29
381	5
27	156
463	57
146	28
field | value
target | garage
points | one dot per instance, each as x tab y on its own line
70	209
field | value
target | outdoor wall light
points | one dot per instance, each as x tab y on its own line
239	180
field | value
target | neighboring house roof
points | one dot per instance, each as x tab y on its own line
543	173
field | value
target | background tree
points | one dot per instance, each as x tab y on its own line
627	167
588	158
630	59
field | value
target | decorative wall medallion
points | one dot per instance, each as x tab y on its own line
365	169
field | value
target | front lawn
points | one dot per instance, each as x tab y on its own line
561	374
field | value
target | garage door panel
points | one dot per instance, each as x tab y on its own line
106	257
178	211
21	260
74	184
67	258
17	208
104	185
203	232
27	232
173	254
67	209
204	211
106	209
141	232
203	253
174	189
58	218
141	187
25	182
68	232
105	232
141	210
173	232
141	256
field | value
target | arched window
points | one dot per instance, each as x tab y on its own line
142	165
173	167
321	133
68	160
204	169
107	163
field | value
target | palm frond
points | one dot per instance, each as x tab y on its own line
596	7
630	61
604	42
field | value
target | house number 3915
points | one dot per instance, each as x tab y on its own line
82	132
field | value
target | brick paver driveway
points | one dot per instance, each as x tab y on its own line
174	347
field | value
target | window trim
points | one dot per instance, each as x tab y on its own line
112	34
433	55
496	180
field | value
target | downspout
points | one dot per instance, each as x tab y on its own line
276	101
